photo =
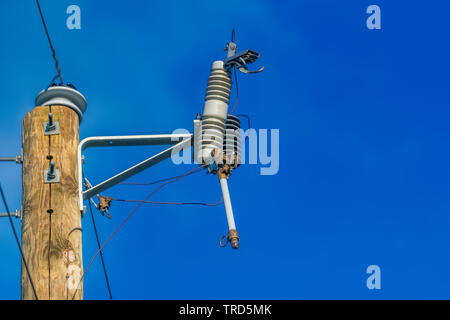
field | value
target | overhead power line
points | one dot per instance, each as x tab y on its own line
172	203
129	216
51	45
245	116
127	200
147	183
237	92
101	253
98	240
18	243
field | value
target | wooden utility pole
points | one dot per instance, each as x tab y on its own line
50	210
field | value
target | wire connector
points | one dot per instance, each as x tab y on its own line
223	165
232	238
103	205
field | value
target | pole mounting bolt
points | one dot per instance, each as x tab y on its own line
51	175
51	127
17	214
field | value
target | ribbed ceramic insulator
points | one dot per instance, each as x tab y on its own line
215	110
232	141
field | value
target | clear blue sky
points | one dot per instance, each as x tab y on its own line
364	144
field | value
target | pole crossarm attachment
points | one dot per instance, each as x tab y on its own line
16	159
178	142
17	214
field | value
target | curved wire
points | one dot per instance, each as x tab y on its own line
101	253
245	116
130	215
148	183
50	43
173	203
237	92
98	240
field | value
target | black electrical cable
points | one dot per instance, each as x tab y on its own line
51	45
248	123
245	116
18	243
147	183
237	91
129	216
99	247
101	253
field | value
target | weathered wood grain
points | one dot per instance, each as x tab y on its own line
44	234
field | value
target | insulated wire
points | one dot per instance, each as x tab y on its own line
18	243
245	116
147	184
172	203
50	43
101	253
98	241
128	217
237	91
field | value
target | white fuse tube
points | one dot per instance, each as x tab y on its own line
233	235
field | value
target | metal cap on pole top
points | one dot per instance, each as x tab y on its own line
63	95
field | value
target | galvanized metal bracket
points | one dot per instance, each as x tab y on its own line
51	175
49	180
177	143
241	60
51	130
51	127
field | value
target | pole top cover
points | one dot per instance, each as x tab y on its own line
63	96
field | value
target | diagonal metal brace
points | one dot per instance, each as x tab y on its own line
167	139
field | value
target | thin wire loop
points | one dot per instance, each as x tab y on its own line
226	242
51	45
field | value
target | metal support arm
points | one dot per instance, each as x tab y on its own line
114	141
